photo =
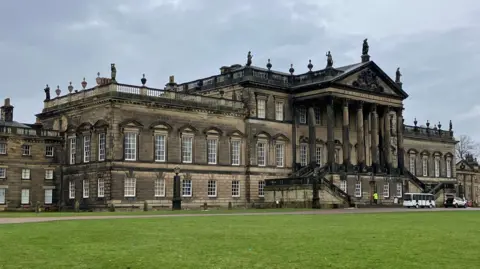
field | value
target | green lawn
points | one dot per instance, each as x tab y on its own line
385	240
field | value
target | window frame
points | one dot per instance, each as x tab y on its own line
264	144
85	188
235	188
303	154
279	110
71	189
49	174
386	190
358	189
302	115
72	150
26	150
281	146
130	187
160	147
261	188
425	166
49	148
3	175
102	146
212	188
128	154
23	196
190	188
3	195
159	187
87	148
212	153
261	108
239	142
100	187
186	148
3	148
26	174
49	201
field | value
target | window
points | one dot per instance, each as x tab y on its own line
425	166
358	189
212	188
261	108
49	174
449	167
279	111
235	188
186	188
160	153
86	188
130	187
262	153
48	196
261	188
101	187
336	156
25	173
3	172
73	150
318	155
49	151
26	150
159	187
302	115
71	189
25	196
303	155
212	151
279	154
130	146
437	166
235	152
187	149
101	146
2	196
399	189
3	148
86	148
412	164
343	185
386	190
317	116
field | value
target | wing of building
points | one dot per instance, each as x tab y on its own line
248	136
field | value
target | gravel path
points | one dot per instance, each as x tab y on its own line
316	212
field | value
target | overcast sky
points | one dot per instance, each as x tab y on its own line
435	42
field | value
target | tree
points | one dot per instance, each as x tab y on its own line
466	145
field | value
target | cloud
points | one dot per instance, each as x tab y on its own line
434	42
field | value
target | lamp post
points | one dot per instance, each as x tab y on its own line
177	200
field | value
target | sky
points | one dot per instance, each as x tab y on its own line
436	43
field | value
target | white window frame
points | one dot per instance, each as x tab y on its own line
73	150
302	115
87	146
3	148
449	167
425	166
235	188
236	151
187	188
412	163
336	155
26	150
102	146
3	172
262	153
130	145
25	196
399	190
212	150
49	151
386	190
358	189
437	166
303	154
159	187
48	196
160	144
280	154
212	188
279	110
261	108
318	155
3	194
49	174
261	188
86	188
26	174
100	187
71	189
318	117
130	187
343	185
187	148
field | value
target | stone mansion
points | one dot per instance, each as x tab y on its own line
247	136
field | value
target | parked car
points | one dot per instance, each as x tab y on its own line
453	201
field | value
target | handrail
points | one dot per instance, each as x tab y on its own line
415	179
345	196
437	188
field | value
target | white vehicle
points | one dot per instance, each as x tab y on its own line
418	200
452	201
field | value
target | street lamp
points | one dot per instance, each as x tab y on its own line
177	200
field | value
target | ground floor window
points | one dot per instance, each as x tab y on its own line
159	187
186	188
358	189
2	196
261	187
101	187
212	188
386	190
71	189
399	189
343	185
25	196
130	187
236	188
48	196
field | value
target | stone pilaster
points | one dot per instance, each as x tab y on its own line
360	137
366	131
400	148
374	138
312	136
346	135
330	134
294	132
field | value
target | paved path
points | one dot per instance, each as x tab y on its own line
313	212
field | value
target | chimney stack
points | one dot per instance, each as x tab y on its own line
7	111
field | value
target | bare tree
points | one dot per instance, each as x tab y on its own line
466	145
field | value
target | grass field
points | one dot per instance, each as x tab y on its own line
385	240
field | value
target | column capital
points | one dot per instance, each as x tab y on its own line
373	107
399	110
360	104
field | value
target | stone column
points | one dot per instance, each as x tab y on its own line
360	137
312	136
381	137
366	131
346	135
400	150
387	143
294	132
374	137
330	134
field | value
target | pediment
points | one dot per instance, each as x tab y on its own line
371	79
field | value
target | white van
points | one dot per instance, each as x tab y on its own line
418	200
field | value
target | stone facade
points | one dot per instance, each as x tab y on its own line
468	175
